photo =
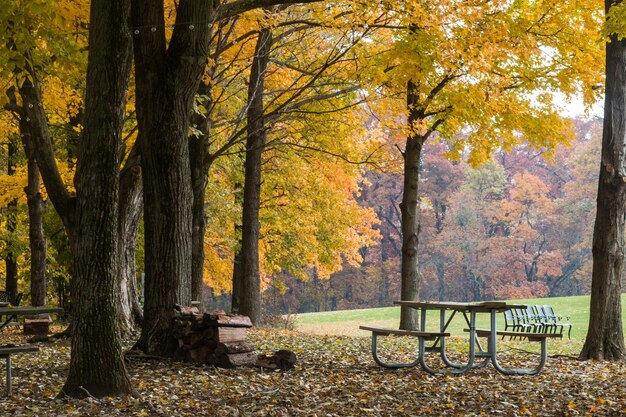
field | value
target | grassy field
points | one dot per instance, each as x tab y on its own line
347	322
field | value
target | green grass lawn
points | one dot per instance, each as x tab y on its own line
347	322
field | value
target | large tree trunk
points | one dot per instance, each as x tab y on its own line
250	289
131	206
97	364
91	218
167	80
410	279
36	238
605	339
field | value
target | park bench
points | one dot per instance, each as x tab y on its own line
536	319
554	321
381	331
6	352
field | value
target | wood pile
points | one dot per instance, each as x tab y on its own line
212	338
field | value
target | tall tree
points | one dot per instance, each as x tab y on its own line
468	71
96	364
605	337
36	238
250	287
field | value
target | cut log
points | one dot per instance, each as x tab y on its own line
210	343
199	354
231	360
234	347
186	310
195	340
230	334
208	333
283	360
225	320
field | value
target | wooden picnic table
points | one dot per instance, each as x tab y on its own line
10	313
476	351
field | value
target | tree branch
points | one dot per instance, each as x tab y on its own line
237	7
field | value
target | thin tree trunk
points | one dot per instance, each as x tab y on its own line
10	259
441	283
383	293
36	238
250	290
237	271
605	338
199	163
410	279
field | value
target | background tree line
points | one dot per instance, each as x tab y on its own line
516	227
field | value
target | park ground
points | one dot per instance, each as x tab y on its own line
334	376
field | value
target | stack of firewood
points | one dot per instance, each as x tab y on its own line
212	338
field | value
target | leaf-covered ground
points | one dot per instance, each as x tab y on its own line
335	376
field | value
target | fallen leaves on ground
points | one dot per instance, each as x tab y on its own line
334	376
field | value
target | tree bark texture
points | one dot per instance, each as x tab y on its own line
36	237
605	338
167	79
250	289
130	209
96	364
410	280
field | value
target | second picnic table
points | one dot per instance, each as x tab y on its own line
476	350
10	313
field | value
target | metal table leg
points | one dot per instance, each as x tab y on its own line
513	371
8	360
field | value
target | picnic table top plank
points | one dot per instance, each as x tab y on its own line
482	306
24	310
8	350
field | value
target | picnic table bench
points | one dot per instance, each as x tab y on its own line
381	331
6	352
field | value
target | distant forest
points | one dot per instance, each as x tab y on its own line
519	226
